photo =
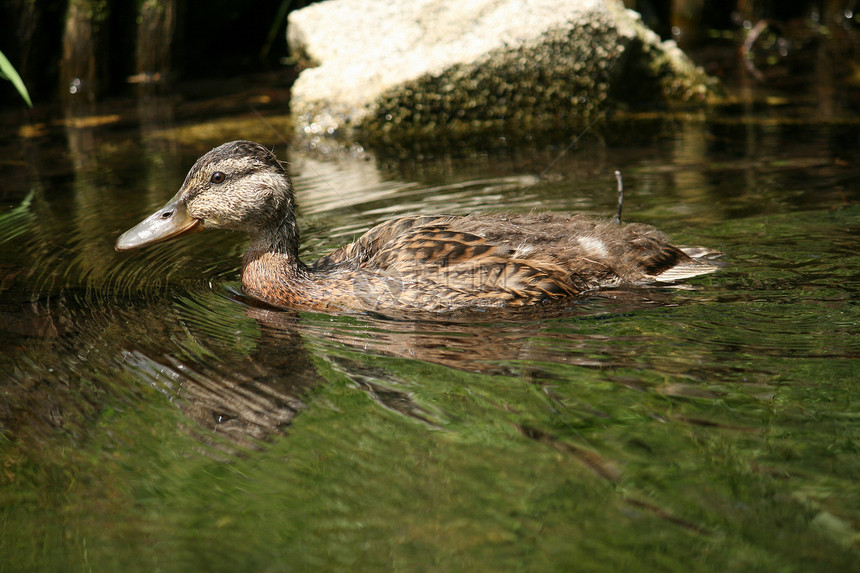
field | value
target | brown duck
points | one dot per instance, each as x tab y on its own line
426	263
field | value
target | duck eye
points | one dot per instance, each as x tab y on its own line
218	177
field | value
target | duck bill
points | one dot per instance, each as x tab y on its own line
169	222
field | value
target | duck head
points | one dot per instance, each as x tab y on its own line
239	186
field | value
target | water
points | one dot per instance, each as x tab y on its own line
154	419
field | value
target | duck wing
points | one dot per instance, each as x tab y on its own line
435	258
505	260
368	245
446	256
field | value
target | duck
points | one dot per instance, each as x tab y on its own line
429	263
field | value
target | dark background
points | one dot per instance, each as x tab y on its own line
224	38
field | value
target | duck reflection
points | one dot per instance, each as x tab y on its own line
486	342
241	372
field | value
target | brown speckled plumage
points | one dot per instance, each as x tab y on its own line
427	263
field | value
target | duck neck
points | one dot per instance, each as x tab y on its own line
281	240
271	269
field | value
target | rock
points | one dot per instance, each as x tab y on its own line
403	69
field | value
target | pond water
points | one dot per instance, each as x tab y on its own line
154	419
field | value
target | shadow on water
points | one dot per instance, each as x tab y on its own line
154	418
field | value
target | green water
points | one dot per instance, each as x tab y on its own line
153	420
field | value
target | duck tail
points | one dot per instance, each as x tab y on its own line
700	261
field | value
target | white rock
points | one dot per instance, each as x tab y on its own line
401	68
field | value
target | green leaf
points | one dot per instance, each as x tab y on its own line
7	71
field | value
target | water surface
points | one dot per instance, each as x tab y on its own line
152	418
